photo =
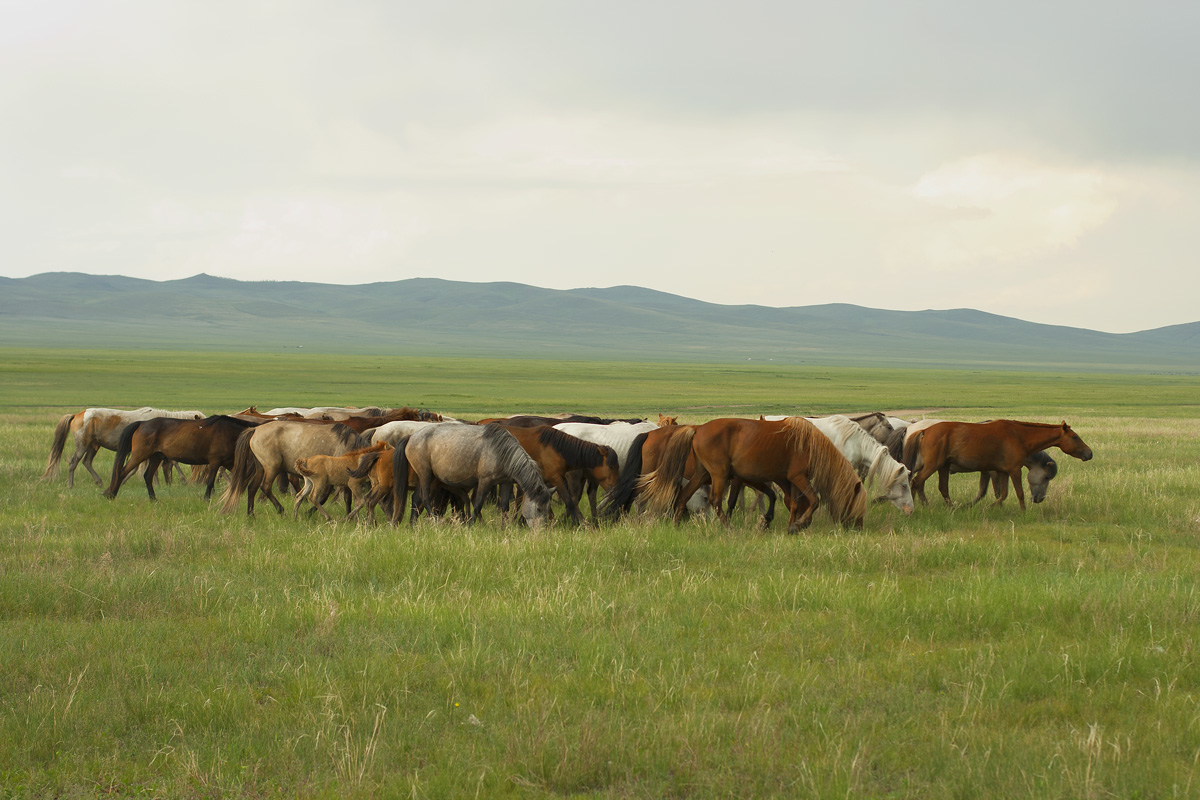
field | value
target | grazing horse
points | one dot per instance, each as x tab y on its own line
557	453
210	441
998	446
791	453
94	428
467	458
870	459
271	449
617	435
875	423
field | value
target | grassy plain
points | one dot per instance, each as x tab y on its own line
967	652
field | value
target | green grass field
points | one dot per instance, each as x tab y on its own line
166	650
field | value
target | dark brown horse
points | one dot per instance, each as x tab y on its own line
210	442
1001	445
791	453
557	454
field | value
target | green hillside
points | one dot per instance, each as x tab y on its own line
432	316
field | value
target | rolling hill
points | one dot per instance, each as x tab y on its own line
432	317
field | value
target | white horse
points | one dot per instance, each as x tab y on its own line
393	432
870	459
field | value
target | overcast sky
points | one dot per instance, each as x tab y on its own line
1039	160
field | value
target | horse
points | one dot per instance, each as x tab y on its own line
557	453
94	428
870	459
320	473
535	421
393	432
617	435
211	441
875	423
791	453
466	458
271	449
998	446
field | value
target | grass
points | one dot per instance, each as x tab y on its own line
962	652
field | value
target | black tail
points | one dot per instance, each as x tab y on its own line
399	480
124	446
621	498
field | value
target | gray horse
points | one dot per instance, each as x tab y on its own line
464	459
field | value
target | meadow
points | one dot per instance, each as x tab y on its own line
974	651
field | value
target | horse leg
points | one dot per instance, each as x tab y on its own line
1000	484
944	484
716	495
699	477
304	492
87	463
482	490
152	464
265	487
1018	490
559	482
213	468
801	513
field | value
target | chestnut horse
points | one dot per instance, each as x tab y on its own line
557	453
210	441
1001	445
791	453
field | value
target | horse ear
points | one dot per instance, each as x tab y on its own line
1065	426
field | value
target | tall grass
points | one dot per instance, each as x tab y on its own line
972	651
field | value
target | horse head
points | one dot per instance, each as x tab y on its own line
1042	469
664	420
1070	443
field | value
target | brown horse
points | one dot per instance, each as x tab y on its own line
211	442
557	454
1001	445
791	453
271	449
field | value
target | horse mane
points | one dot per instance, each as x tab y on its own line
349	437
229	420
1046	461
830	471
517	462
895	444
883	468
575	451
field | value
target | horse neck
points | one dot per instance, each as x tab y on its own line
1041	436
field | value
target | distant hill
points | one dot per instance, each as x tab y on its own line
432	317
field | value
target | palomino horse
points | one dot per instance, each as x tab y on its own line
998	446
94	428
467	458
211	441
271	449
322	473
791	453
557	453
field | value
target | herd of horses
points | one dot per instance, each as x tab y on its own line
378	458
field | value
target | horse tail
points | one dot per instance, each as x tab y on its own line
365	463
244	465
303	468
912	450
662	486
830	473
124	448
61	430
622	495
400	480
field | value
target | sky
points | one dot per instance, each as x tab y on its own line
1039	160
